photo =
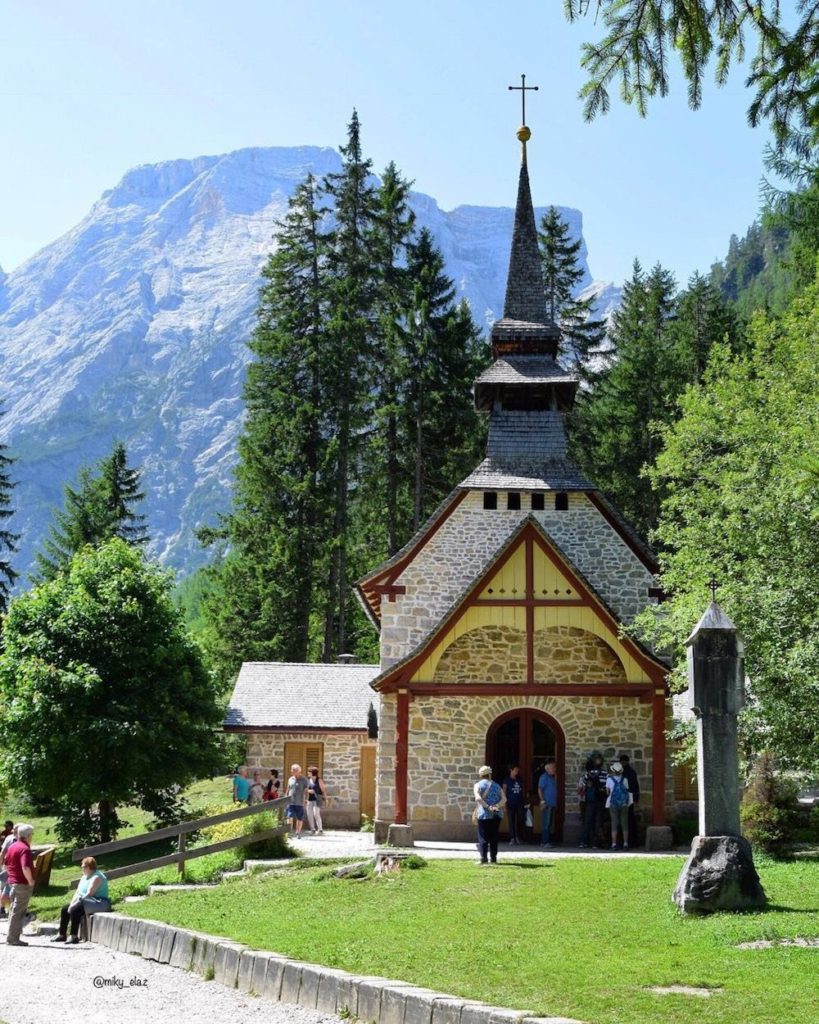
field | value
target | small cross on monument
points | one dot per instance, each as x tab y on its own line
523	88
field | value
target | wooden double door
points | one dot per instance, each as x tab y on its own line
527	737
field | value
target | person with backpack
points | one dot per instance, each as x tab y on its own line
592	792
618	800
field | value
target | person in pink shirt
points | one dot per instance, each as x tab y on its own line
19	863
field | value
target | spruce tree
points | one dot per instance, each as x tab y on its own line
702	318
262	594
393	231
8	540
615	423
445	354
352	286
100	507
561	272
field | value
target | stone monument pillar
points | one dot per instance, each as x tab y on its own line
719	874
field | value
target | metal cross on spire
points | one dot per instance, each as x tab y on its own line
713	586
523	88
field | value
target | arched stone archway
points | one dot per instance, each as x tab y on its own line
526	736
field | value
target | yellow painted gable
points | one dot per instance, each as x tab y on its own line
508	584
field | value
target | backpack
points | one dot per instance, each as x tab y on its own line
619	795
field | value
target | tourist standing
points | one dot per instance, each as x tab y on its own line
19	863
515	811
490	802
547	791
634	788
241	786
7	837
271	790
296	788
91	897
618	800
256	789
592	790
315	801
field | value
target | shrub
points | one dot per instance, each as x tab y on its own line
266	848
684	827
413	862
768	809
366	824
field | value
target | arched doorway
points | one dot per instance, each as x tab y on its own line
526	737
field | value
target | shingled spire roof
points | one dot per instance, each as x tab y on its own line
526	328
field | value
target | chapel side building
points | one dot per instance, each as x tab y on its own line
500	620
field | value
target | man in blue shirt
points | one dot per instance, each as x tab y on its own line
513	788
241	786
547	790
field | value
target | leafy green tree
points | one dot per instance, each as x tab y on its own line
561	274
104	698
738	504
640	38
101	506
8	540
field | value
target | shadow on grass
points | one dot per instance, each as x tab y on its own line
527	864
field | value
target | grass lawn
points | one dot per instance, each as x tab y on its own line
579	937
47	902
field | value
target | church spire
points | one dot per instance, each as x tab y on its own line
526	328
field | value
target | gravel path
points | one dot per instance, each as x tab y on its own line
51	983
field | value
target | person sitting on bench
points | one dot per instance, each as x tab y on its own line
92	896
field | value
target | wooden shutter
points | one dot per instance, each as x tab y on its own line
304	754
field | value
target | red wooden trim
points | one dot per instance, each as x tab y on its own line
389	590
658	759
409	668
646	560
401	757
656	673
641	690
560	751
396	570
530	612
525	602
370	588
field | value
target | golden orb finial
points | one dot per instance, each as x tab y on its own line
524	133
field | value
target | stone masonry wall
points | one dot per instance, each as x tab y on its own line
448	742
563	654
342	759
470	537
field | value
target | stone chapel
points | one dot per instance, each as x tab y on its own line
501	619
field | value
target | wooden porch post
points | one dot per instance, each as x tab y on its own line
401	752
658	757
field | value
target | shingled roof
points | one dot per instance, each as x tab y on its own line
288	695
527	450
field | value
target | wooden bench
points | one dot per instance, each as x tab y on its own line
43	860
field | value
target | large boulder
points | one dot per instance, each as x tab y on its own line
719	875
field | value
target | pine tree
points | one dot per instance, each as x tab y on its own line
444	355
350	363
262	594
614	427
561	273
393	232
702	318
8	540
120	485
100	507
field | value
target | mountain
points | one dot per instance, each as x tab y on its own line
133	325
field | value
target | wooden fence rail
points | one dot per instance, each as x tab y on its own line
180	831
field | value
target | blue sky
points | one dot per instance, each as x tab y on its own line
92	88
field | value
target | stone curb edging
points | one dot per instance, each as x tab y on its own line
282	979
